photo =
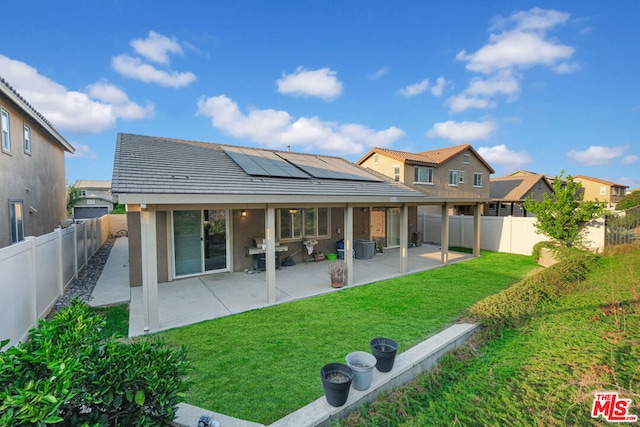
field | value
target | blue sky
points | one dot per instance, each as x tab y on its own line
540	86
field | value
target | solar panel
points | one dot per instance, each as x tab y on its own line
263	163
328	167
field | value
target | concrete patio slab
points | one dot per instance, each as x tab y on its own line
113	284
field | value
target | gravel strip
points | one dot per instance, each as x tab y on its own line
83	285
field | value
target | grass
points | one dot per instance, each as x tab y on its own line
117	317
543	373
263	364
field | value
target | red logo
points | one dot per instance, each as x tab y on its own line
612	408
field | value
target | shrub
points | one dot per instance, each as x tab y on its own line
513	305
66	375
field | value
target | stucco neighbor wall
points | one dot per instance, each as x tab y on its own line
440	186
37	179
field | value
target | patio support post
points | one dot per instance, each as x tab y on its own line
348	243
476	230
444	236
404	238
270	256
149	270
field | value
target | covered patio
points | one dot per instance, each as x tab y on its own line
195	299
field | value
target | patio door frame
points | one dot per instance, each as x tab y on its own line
202	241
388	229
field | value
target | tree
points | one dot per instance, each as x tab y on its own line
74	194
562	215
629	201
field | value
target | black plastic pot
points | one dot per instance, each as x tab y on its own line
384	349
336	381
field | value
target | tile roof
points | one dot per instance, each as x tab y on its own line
514	188
157	165
601	181
22	103
426	158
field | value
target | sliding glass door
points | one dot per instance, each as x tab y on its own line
200	241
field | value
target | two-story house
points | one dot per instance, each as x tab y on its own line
508	193
453	172
596	189
32	170
95	198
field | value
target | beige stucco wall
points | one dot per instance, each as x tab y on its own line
440	186
36	179
592	190
243	231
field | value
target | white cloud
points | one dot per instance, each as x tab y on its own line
515	50
535	19
414	89
516	43
462	131
321	83
501	155
136	69
379	73
630	159
463	102
500	83
83	151
156	47
278	129
596	155
92	111
441	83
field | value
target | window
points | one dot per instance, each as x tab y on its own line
6	137
423	175
396	173
453	177
375	159
16	221
461	173
477	179
27	139
465	159
603	190
308	222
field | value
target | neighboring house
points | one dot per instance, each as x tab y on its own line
197	208
453	172
548	178
33	190
596	189
95	199
508	194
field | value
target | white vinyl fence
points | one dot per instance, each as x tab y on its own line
34	273
515	235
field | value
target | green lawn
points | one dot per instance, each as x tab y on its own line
543	373
263	364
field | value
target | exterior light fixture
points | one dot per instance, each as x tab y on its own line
293	211
243	213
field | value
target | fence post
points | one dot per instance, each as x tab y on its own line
60	262
33	285
75	250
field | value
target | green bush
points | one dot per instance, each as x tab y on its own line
67	375
513	305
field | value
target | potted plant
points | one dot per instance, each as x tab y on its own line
337	273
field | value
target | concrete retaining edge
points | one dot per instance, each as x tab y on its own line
408	365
